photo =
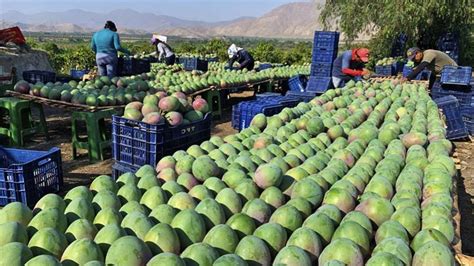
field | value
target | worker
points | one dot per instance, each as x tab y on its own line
240	55
105	44
432	60
350	65
164	51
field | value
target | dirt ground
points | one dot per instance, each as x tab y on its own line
464	152
80	171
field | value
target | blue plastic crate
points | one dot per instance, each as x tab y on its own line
243	113
454	54
456	75
183	136
323	56
468	118
321	69
193	63
326	40
26	175
140	66
33	76
398	67
136	143
319	85
264	66
464	95
267	94
423	75
454	121
386	70
297	83
282	100
78	73
302	96
119	169
213	59
124	66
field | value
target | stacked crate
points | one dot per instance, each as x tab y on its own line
449	43
456	82
325	49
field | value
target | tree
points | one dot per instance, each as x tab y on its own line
424	21
265	52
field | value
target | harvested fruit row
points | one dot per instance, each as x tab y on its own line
253	196
105	91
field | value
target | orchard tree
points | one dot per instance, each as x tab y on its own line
424	21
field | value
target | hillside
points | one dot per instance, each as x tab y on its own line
290	20
294	20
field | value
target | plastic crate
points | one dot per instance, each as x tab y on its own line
454	54
78	73
319	85
26	175
468	119
321	69
302	96
464	95
423	75
264	66
137	143
33	76
297	83
181	137
397	67
243	113
124	66
323	56
140	66
326	40
386	70
456	75
213	59
191	63
267	94
454	121
119	169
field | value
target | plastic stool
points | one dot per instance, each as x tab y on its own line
97	139
213	98
21	121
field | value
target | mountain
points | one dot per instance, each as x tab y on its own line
125	19
294	20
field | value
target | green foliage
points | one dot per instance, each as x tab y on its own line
69	52
424	21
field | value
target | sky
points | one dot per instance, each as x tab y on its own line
205	10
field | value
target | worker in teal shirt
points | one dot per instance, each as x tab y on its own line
105	44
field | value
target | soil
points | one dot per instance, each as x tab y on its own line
80	171
464	152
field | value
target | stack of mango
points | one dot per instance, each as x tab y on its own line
356	176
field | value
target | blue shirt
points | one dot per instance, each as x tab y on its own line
107	42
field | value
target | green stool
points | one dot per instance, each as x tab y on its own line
21	123
97	139
213	98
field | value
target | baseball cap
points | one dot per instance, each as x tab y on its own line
411	53
363	54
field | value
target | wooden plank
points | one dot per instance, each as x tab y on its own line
62	104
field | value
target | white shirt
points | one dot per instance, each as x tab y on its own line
163	50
